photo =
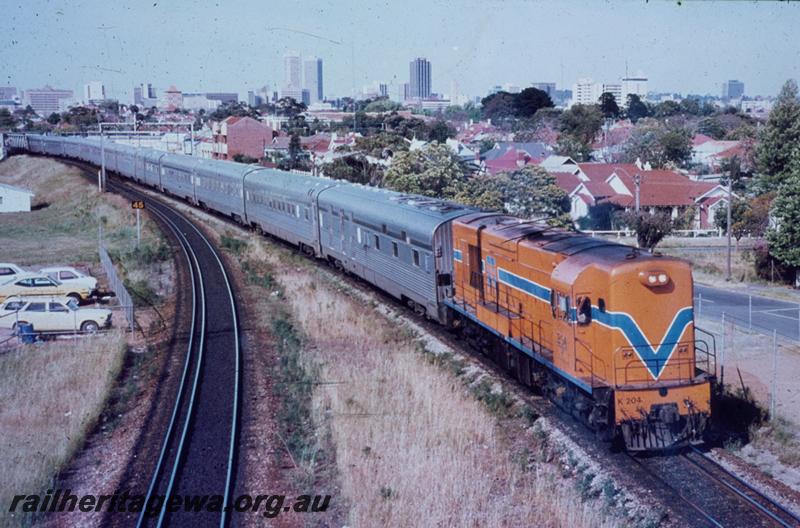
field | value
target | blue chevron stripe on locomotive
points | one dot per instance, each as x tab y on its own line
654	359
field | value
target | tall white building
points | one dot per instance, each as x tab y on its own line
634	85
312	78
94	92
587	92
583	92
292	81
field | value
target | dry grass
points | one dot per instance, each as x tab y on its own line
412	446
65	229
52	395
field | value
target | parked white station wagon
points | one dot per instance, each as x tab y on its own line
52	314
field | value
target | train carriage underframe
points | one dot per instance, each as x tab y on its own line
661	428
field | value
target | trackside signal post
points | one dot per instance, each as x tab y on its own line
138	205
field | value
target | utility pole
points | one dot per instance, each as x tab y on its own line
731	171
102	160
637	181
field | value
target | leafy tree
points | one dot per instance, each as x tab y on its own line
381	145
636	108
608	105
135	109
7	120
739	208
653	142
780	137
354	168
650	229
54	118
784	238
382	104
81	117
572	147
667	109
532	192
582	122
432	171
711	127
690	105
110	106
529	101
295	151
231	108
498	106
440	130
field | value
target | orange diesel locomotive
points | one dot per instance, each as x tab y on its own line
606	331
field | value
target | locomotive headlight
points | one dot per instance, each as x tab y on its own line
653	278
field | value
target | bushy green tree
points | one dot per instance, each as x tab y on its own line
432	171
608	105
636	108
650	228
529	101
355	168
784	238
779	138
382	104
655	143
532	192
579	126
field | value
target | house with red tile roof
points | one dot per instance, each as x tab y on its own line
592	184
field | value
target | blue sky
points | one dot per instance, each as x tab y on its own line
229	46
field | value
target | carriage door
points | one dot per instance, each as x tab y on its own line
584	338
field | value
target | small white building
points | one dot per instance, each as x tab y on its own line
14	199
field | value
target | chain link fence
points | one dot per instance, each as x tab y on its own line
762	362
118	287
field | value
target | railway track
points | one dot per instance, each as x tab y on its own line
199	448
715	496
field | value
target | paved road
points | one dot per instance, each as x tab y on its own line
767	314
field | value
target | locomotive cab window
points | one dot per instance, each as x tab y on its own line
584	305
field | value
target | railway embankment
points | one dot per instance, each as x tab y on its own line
69	404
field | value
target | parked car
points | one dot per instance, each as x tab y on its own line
9	271
52	314
71	276
39	284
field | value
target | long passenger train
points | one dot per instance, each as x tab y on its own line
605	330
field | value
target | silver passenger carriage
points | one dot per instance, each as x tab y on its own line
283	204
218	185
401	243
177	175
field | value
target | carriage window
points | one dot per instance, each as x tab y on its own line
394	249
358	234
584	311
416	258
377	242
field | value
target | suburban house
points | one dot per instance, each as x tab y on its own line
591	184
709	151
509	156
14	199
239	135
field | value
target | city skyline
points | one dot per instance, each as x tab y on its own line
691	48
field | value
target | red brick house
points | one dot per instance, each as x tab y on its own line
240	135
